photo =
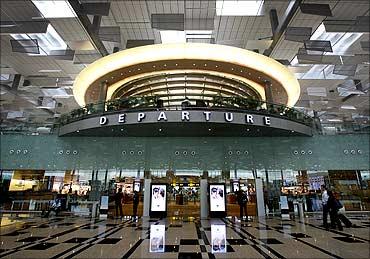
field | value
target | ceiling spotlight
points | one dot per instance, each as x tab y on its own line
160	129
209	129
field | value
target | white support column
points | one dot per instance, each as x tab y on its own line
260	199
147	183
203	198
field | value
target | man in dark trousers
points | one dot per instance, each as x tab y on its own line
242	201
135	203
118	201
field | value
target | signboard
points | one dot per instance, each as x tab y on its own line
158	200
217	197
284	208
236	186
218	236
104	202
157	237
137	186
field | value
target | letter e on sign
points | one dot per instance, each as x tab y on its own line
267	121
122	118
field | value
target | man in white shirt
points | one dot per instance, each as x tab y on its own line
325	209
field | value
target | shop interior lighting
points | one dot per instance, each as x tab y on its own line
55	8
47	42
239	8
173	36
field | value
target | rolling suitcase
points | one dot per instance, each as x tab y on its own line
345	220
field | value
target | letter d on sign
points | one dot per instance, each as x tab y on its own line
103	120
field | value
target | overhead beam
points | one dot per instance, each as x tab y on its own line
283	25
90	29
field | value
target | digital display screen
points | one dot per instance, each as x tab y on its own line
236	186
158	200
217	197
218	236
137	186
104	202
156	243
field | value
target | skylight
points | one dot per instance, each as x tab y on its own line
173	36
47	42
239	8
55	8
340	41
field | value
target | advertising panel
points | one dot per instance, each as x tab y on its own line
218	236
236	186
158	197
137	186
156	243
104	200
217	197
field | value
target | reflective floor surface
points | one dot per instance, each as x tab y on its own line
74	237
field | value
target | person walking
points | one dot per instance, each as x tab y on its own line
333	207
118	197
135	204
325	210
242	201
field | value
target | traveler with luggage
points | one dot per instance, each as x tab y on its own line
333	207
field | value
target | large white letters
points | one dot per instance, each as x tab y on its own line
185	116
267	120
162	116
122	118
103	120
249	119
140	116
208	115
229	116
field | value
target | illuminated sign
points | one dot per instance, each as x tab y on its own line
137	186
218	236
157	238
217	197
158	197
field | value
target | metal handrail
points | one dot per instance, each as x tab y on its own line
150	103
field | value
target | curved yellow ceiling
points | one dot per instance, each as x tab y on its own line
187	51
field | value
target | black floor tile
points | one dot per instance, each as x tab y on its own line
132	225
203	248
270	241
76	240
175	226
14	233
237	242
207	229
348	239
355	226
111	225
41	246
189	242
142	228
171	249
65	224
42	226
153	220
30	239
190	256
90	227
110	241
263	228
229	248
299	235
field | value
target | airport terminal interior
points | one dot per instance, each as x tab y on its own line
184	129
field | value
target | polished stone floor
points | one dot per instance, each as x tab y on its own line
67	237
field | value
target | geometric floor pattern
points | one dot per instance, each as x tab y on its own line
76	237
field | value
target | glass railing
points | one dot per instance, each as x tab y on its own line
148	103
